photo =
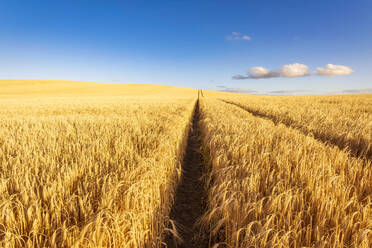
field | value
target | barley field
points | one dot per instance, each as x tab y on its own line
89	171
109	165
273	186
343	120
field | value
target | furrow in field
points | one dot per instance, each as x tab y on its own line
190	197
89	171
357	147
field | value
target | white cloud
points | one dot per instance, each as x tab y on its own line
294	70
288	71
246	37
334	70
258	71
238	36
261	72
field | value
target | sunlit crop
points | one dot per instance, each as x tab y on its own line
91	171
272	186
94	165
345	121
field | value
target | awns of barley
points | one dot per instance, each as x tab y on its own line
343	120
89	172
272	186
84	171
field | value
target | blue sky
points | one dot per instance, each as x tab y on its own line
187	43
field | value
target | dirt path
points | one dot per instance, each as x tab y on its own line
190	199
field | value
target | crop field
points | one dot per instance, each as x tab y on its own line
105	165
273	186
345	121
89	171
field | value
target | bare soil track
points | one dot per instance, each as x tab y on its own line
190	198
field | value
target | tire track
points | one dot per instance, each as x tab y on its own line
190	197
354	148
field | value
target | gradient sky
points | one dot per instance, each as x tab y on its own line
186	43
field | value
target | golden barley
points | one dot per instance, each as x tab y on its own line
344	120
89	171
272	186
